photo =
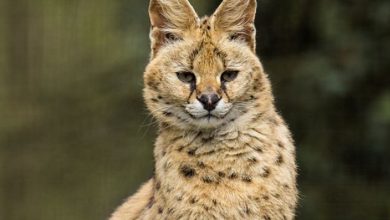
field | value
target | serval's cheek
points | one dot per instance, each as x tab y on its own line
237	88
176	91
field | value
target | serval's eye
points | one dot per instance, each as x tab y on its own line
186	77
229	76
238	37
171	37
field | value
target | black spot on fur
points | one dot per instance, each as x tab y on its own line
258	149
214	202
280	144
153	85
266	217
193	55
187	171
240	154
246	178
193	200
159	97
160	210
253	160
206	140
164	125
207	179
192	152
266	198
154	100
233	176
266	172
168	114
201	165
256	117
151	202
180	148
221	174
247	210
191	116
175	138
220	54
158	185
210	152
279	160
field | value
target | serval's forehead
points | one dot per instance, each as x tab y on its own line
205	23
207	57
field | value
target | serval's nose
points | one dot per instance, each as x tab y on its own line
209	100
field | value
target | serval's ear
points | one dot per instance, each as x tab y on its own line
237	19
169	19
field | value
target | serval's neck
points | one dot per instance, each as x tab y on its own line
240	167
191	153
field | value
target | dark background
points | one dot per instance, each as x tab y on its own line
76	139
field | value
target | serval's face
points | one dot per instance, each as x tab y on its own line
203	73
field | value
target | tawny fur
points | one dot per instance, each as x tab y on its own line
238	164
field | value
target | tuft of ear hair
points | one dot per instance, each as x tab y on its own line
237	18
169	18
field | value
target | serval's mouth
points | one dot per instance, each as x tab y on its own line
209	116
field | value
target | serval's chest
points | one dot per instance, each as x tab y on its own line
240	176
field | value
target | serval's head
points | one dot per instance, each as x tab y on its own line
204	73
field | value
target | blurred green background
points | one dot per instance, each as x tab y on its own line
76	139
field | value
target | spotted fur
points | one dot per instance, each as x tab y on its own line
238	161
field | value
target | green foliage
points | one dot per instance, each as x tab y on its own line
75	137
